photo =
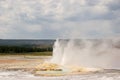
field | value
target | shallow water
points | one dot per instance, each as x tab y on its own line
19	75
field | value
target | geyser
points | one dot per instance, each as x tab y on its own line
92	53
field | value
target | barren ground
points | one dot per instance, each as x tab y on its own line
21	62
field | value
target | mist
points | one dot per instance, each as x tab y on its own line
92	53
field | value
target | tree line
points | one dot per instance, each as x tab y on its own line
23	49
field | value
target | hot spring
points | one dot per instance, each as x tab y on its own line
90	53
84	56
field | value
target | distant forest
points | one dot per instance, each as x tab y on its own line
23	49
25	46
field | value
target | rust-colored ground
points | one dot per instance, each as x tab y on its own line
12	61
20	62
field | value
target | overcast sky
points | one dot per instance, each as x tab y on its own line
50	19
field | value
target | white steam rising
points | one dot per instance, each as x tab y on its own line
96	53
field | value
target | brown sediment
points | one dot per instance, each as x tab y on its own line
19	63
12	61
50	69
38	67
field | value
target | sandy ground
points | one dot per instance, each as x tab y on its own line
11	66
21	62
32	64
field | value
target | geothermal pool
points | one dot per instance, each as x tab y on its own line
92	54
19	75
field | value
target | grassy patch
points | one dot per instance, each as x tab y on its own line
30	53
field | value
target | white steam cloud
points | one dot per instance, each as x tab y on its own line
92	53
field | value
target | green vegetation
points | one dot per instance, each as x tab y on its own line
25	50
29	54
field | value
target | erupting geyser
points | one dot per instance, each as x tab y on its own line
92	53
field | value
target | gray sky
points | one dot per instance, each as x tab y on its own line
50	19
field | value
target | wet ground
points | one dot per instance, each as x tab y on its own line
13	68
19	75
21	62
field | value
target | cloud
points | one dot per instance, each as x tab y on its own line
59	18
